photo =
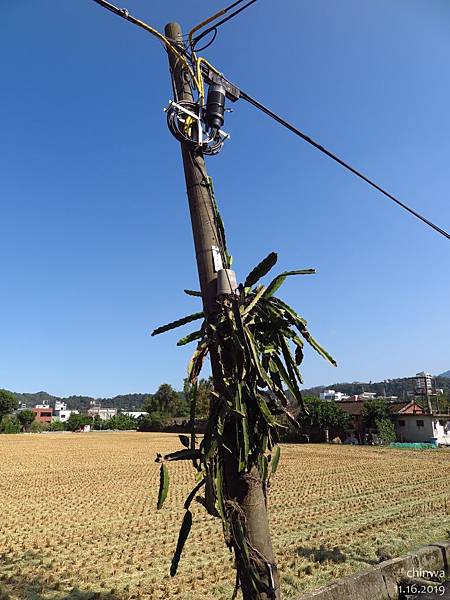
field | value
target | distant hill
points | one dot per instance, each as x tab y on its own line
390	387
128	402
124	402
37	398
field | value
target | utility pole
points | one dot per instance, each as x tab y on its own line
200	205
245	490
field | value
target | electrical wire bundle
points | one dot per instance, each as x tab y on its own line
199	123
188	122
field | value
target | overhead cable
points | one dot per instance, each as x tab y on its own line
336	158
171	47
197	78
194	41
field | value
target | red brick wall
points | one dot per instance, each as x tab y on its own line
43	415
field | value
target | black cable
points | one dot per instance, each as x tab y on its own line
125	14
121	12
219	23
209	43
305	137
233	5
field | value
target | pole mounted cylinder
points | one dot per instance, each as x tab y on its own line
215	106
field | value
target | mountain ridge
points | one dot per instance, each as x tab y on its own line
389	387
128	402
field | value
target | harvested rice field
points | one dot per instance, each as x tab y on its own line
78	517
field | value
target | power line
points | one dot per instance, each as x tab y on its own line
216	25
171	48
181	54
211	41
340	161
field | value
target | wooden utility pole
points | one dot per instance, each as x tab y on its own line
200	205
245	490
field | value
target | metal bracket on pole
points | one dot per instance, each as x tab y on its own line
232	92
178	115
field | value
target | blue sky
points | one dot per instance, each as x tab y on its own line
96	244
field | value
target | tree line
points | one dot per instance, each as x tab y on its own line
162	407
123	402
322	419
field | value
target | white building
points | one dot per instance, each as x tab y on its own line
61	413
104	413
441	425
96	410
333	396
413	424
367	396
424	428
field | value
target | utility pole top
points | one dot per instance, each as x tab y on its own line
203	219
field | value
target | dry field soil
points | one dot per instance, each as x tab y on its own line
78	517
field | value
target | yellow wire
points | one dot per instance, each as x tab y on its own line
203	23
170	47
201	90
196	77
198	62
188	125
202	59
